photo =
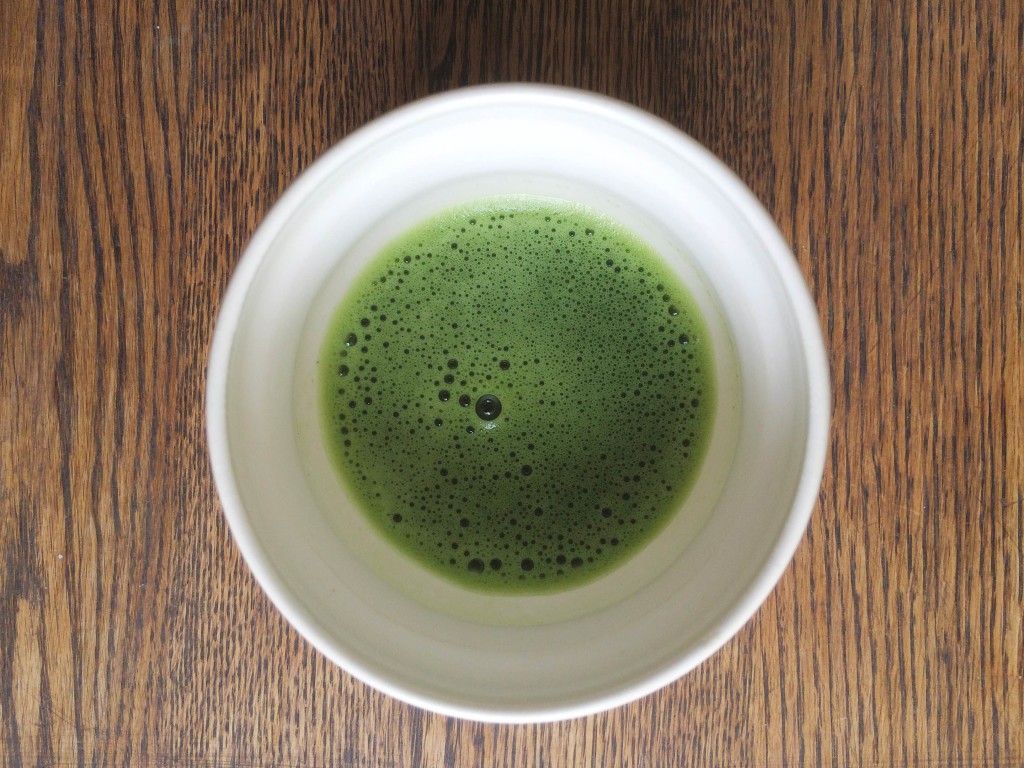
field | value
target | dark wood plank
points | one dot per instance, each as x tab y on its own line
143	142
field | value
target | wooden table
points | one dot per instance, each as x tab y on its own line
142	142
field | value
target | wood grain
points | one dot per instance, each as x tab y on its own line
142	142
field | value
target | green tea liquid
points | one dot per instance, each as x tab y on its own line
518	394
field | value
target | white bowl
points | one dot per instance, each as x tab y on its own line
382	617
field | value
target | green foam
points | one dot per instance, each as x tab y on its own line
600	360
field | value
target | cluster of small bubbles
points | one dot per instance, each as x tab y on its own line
508	390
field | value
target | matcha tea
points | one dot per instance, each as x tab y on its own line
518	394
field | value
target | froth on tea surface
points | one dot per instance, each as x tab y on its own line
518	394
